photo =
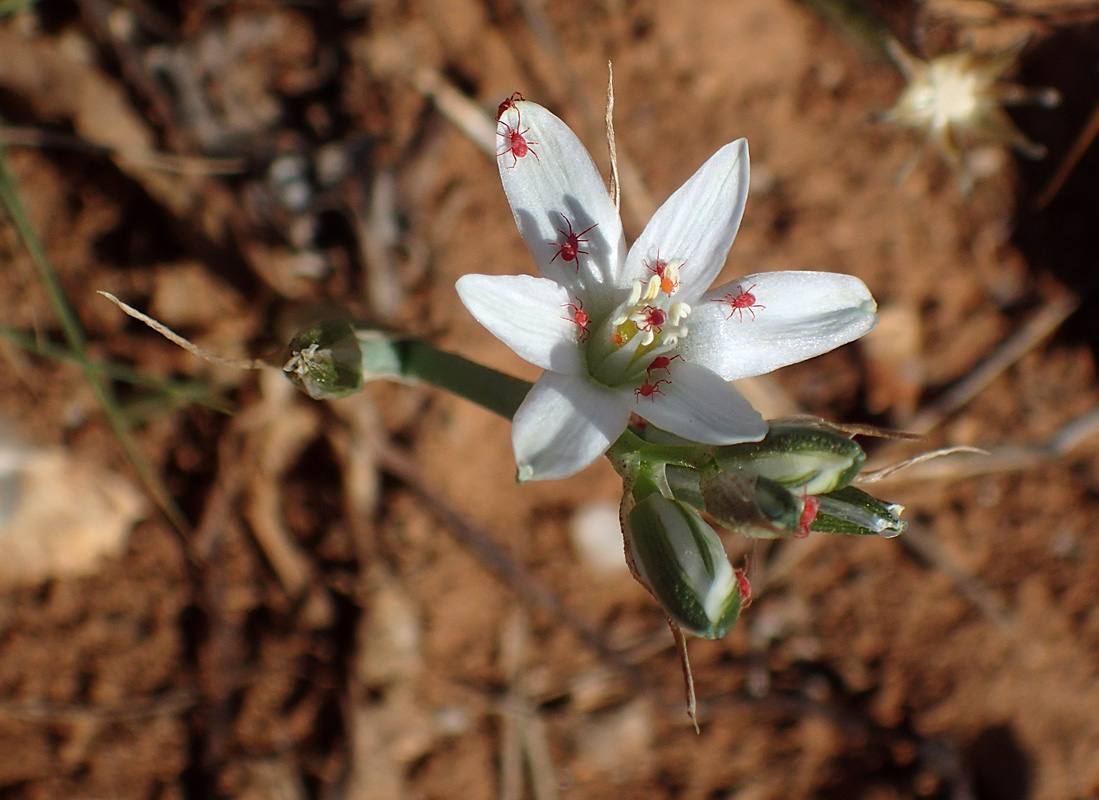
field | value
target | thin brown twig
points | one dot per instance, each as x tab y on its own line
616	189
1055	15
685	665
524	738
460	110
193	349
1079	146
1010	458
170	703
983	597
97	14
164	162
1042	325
877	475
512	709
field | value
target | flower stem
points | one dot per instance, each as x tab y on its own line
488	388
500	393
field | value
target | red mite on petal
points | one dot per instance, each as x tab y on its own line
516	141
508	103
743	300
662	362
580	318
649	389
570	249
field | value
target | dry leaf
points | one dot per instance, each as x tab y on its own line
60	516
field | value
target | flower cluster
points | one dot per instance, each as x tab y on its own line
634	331
795	481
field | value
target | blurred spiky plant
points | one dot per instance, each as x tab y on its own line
958	99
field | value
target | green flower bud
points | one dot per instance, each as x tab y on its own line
332	359
812	460
853	511
325	361
682	562
684	485
752	505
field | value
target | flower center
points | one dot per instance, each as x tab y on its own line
646	325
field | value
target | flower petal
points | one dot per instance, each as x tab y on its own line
698	405
697	224
530	315
564	424
554	185
797	315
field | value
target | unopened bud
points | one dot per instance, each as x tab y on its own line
753	505
682	562
332	359
854	512
325	361
810	459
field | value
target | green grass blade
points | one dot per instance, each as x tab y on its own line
73	332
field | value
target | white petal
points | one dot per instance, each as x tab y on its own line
530	315
564	424
554	185
697	224
798	315
698	405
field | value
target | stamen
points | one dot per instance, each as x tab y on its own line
678	312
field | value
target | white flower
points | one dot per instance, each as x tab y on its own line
636	332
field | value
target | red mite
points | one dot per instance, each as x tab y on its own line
743	585
667	285
662	362
571	247
508	103
580	318
808	514
743	301
651	317
649	389
515	139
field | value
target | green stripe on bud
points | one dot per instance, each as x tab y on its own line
809	459
681	560
854	512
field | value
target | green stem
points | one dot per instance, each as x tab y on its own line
11	203
186	391
499	393
334	358
502	394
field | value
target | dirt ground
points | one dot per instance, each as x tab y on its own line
355	599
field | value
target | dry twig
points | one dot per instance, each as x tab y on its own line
1039	327
193	349
151	159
